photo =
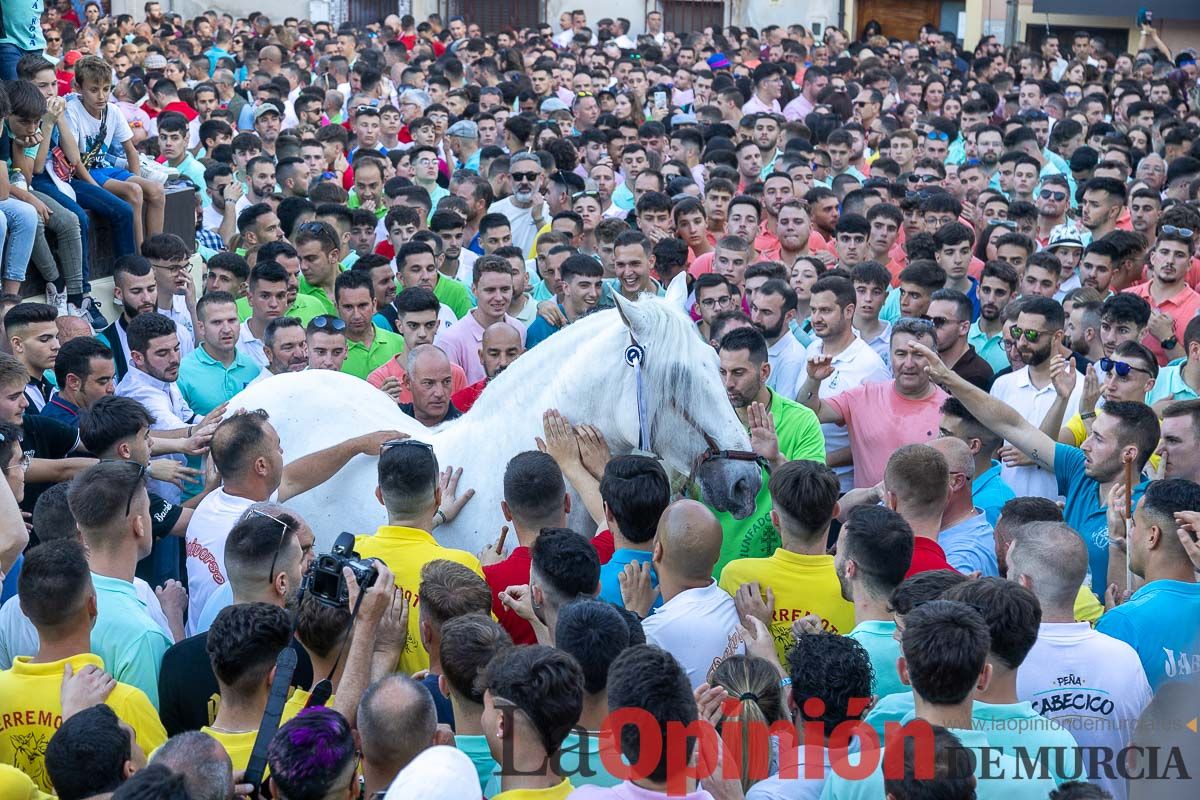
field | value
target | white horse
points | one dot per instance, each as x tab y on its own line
581	371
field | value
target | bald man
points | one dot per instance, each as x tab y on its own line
71	327
396	721
428	376
501	345
966	536
697	622
1106	681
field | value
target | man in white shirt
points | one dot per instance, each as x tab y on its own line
1090	683
526	207
268	300
246	450
1030	390
772	307
697	622
151	380
854	362
169	256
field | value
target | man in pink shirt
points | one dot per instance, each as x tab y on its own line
1172	301
884	416
768	88
493	287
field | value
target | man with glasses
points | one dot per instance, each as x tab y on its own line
1031	390
169	256
1173	303
1129	376
526	207
1053	200
950	311
714	295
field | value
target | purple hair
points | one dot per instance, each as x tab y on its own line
310	752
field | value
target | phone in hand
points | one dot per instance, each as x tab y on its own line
1145	17
660	99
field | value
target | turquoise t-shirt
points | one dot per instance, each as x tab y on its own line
579	760
22	24
1161	621
1170	384
610	585
1009	726
1084	511
990	493
476	748
126	638
877	637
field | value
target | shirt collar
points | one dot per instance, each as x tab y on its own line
138	376
403	532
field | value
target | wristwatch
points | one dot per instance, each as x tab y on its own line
1087	415
1169	343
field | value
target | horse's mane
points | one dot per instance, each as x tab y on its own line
675	359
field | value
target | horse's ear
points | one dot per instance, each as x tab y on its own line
677	291
633	315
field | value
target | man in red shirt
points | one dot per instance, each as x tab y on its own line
500	347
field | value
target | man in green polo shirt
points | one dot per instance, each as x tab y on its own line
320	251
216	370
302	307
781	430
416	265
368	347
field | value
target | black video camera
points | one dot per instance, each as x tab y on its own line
325	580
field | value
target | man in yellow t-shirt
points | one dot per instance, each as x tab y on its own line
56	594
243	643
409	489
799	578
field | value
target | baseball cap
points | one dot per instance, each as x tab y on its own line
264	109
1064	236
718	61
71	56
553	104
154	61
437	773
464	129
683	119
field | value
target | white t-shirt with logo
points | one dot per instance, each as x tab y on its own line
206	534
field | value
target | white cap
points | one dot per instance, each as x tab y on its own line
439	773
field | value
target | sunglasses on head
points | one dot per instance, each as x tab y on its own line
328	321
1122	368
1004	223
577	195
940	136
525	176
1028	334
1183	233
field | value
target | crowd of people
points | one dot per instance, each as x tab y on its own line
953	298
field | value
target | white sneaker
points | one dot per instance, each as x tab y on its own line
57	299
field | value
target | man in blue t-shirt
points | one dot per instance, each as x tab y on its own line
1161	621
1085	474
635	491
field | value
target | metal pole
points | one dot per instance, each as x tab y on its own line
1010	25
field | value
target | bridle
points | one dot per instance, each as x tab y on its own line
635	355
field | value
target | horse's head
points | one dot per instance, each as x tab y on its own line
686	408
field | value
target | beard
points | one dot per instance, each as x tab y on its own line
772	333
1036	358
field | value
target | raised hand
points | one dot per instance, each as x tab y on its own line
763	439
638	593
1063	375
452	501
820	367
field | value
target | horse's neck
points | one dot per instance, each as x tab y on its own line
584	390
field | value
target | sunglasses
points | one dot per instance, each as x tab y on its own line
1183	233
1004	223
861	103
138	481
392	443
1049	194
939	322
940	136
328	321
283	529
584	94
578	195
1028	334
923	179
1122	368
529	177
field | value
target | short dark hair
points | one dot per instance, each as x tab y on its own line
750	339
87	754
75	358
52	581
468	643
416	298
1139	427
145	328
566	564
352	279
237	439
649	678
834	669
52	517
921	588
594	633
28	313
533	487
449	590
110	420
1047	308
636	490
953	768
545	684
243	643
1126	307
165	247
945	645
1012	614
408	476
804	493
881	543
100	495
